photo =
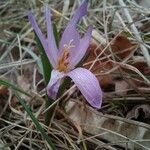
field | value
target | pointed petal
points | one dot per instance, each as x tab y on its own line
88	85
81	11
81	50
70	32
37	30
52	48
54	84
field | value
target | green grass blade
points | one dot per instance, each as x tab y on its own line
45	62
47	68
36	123
46	74
14	87
56	34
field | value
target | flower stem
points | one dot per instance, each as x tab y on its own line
49	113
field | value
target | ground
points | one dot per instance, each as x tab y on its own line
119	57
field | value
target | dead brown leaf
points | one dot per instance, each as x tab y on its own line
121	87
3	90
25	84
109	127
104	64
139	111
100	66
122	47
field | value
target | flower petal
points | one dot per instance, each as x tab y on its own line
70	33
54	83
88	85
37	30
52	48
81	50
81	11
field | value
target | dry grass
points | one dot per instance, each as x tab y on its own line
20	63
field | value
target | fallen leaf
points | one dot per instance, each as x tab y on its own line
25	84
110	128
122	47
121	87
103	66
99	67
139	111
3	90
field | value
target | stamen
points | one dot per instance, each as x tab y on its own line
63	62
70	45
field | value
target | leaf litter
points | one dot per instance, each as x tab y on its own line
114	56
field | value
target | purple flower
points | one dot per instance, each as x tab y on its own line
71	50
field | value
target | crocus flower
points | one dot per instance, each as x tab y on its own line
71	50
